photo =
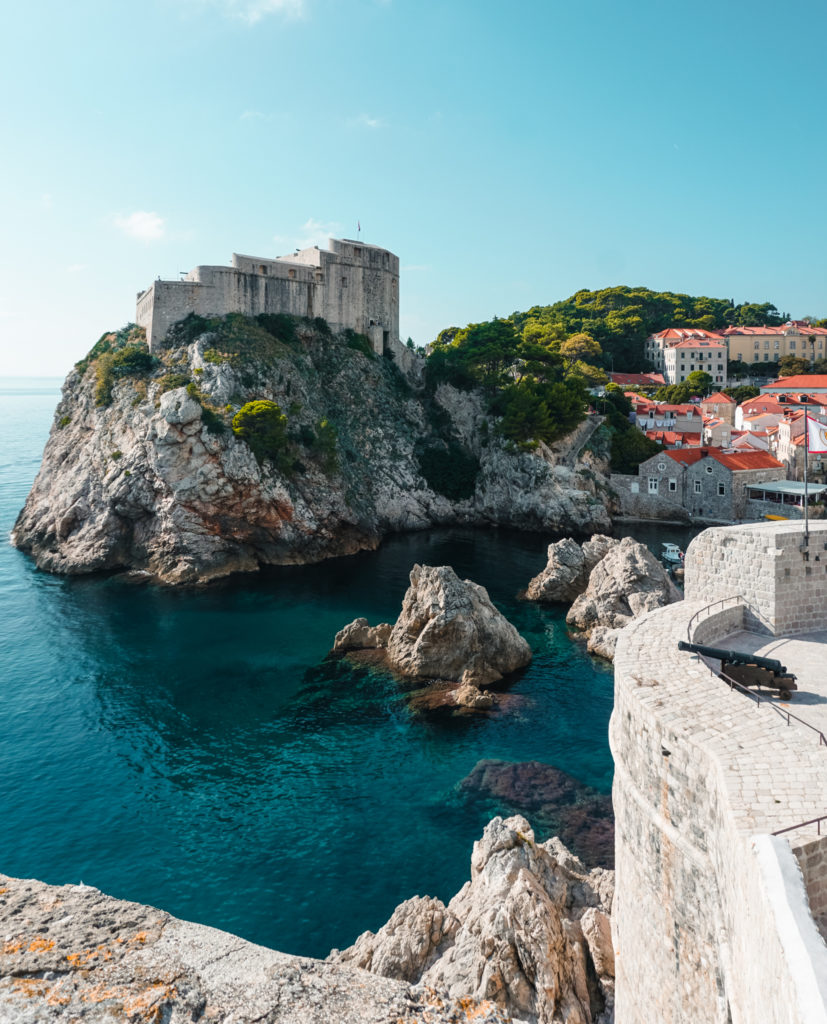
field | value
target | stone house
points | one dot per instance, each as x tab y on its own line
686	357
695	483
658	345
721	406
786	442
684	419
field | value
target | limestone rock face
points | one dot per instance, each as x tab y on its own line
360	636
72	954
449	629
566	574
527	932
627	582
145	483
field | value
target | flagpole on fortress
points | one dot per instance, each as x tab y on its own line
806	496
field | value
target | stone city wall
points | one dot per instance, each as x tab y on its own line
764	564
710	918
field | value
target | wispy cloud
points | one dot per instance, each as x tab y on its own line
252	11
312	232
77	268
366	121
143	225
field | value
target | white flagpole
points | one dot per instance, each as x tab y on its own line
806	497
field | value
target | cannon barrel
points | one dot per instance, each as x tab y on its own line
734	657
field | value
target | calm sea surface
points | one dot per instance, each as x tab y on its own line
195	750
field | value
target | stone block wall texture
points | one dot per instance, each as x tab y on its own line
702	933
765	565
350	285
642	505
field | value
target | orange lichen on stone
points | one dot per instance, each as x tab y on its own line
101	994
88	955
3	891
30	987
140	937
41	945
150	1002
12	947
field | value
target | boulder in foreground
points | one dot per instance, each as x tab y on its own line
529	932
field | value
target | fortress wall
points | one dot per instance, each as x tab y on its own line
350	286
703	930
765	565
635	500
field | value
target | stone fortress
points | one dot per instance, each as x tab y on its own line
351	285
720	907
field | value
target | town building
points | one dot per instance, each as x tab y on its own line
688	357
685	418
658	344
720	405
769	344
786	442
696	483
350	285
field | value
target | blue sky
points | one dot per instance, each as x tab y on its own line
508	153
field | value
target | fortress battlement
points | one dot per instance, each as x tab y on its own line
349	284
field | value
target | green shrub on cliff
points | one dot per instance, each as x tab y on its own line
104	379
113	341
263	426
358	342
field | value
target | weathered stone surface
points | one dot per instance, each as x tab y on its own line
602	641
70	954
627	582
143	484
512	934
566	574
449	629
360	636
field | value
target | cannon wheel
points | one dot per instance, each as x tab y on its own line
785	695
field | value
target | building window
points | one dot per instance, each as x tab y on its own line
653	485
721	490
766	357
777	344
291	273
344	282
262	269
357	251
792	344
709	469
673	485
758	344
767	343
697	486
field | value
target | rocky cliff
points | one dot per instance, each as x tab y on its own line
143	471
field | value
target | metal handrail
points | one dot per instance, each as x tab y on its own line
802	824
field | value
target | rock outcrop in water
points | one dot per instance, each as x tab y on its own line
71	955
448	629
529	932
142	471
611	583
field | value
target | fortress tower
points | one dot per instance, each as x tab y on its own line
350	284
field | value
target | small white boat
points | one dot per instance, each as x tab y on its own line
672	554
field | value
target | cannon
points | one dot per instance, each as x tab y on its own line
748	669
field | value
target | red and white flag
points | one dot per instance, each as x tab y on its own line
816	436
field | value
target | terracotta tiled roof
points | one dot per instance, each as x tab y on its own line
700	343
670	437
734	461
800	325
719	398
637	379
801	382
682	333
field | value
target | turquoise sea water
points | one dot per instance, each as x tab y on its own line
196	750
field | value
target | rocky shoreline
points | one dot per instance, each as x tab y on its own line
148	475
526	939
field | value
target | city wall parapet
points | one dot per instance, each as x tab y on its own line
711	918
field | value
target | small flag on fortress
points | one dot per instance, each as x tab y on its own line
816	436
358	226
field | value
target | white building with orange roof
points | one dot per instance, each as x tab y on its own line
769	344
687	357
697	348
